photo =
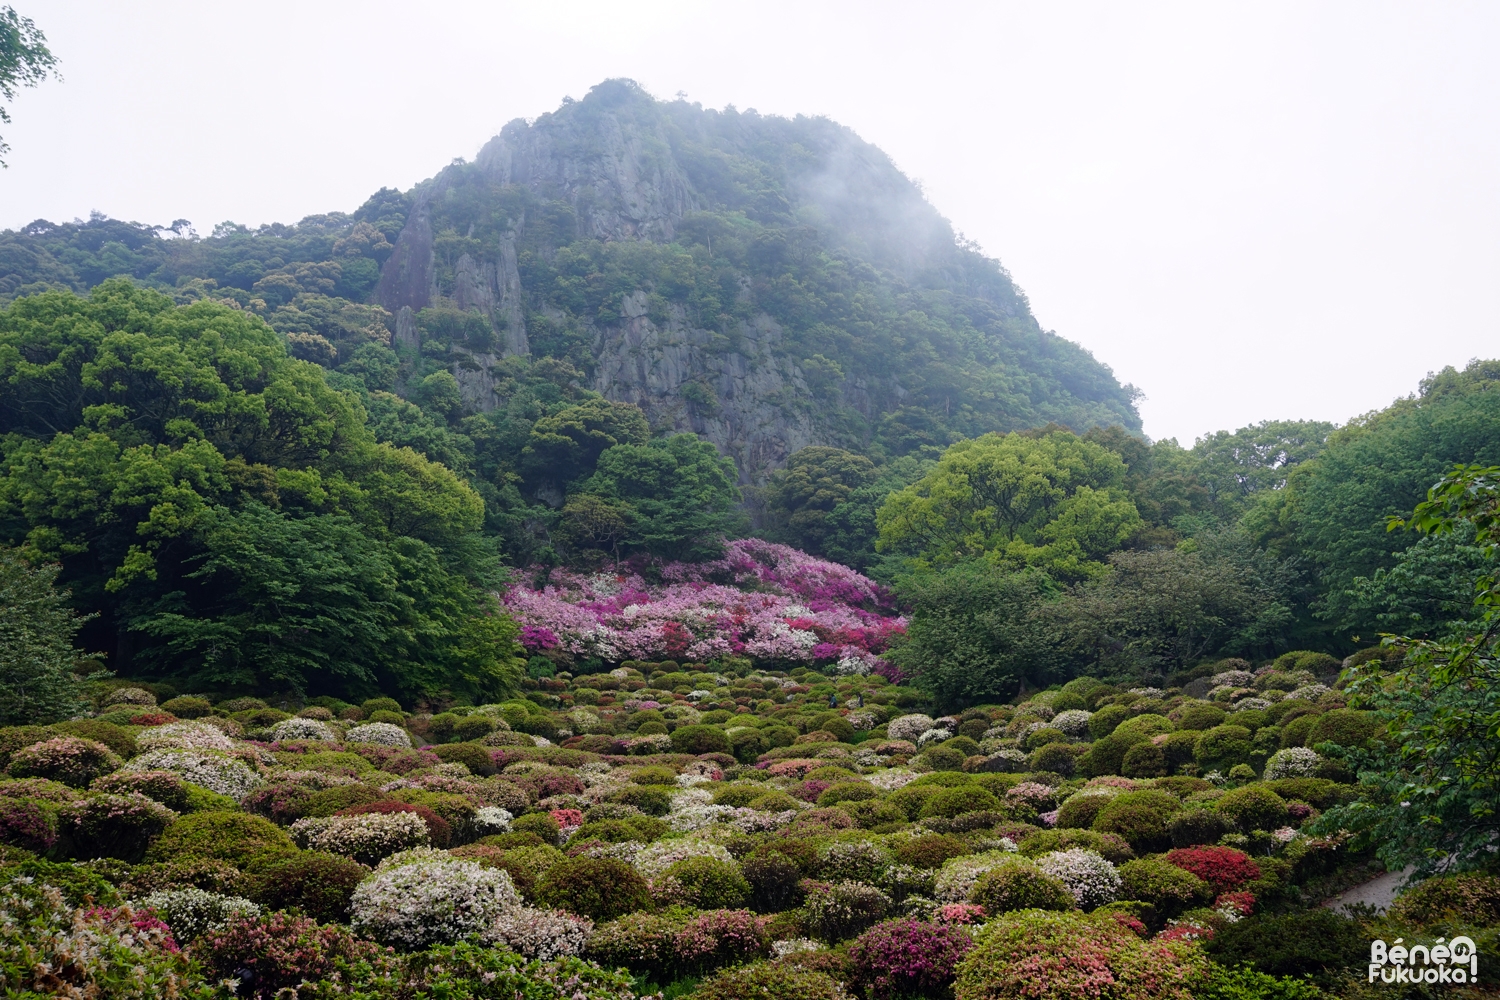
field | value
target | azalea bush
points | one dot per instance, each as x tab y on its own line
428	902
280	951
70	760
1039	955
901	958
192	912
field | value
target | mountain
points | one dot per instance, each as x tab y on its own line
768	283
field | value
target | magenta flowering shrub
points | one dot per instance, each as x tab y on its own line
908	957
722	937
802	609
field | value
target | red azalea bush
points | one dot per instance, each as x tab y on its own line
1224	868
438	830
279	950
722	937
908	957
567	817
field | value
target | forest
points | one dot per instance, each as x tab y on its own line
505	589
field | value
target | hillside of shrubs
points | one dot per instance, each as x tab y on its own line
715	829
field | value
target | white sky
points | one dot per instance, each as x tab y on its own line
1251	211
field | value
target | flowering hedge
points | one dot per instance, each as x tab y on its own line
801	609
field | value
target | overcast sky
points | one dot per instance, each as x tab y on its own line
1250	211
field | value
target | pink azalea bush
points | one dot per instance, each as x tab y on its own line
765	601
908	957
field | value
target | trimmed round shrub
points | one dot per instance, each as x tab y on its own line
184	736
1254	807
644	943
1082	808
1104	756
649	799
1055	757
13	738
1177	749
188	706
765	981
366	838
909	727
773	879
1318	943
598	888
193	912
539	934
1197	826
1199	716
1143	727
1109	846
1472	897
226	836
1318	792
908	958
721	937
944	758
1222	747
958	876
165	787
471	755
303	729
1165	886
316	882
951	802
1042	955
853	861
117	738
1039	738
439	832
1144	760
1140	817
1089	878
1020	885
218	772
1073	722
70	760
931	850
130	696
28	824
412	906
116	826
544	825
1104	721
700	739
1345	726
711	884
380	733
279	950
847	791
842	910
1223	868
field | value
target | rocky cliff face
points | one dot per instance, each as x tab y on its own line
501	238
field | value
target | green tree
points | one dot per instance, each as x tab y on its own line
1431	788
679	492
1050	500
974	633
566	446
37	658
815	481
25	60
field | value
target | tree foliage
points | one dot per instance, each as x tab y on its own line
38	683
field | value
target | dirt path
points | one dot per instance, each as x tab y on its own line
1378	892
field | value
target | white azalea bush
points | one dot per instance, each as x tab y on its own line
412	906
383	733
909	727
183	736
367	837
214	770
303	729
654	859
1091	879
1074	722
1293	762
956	879
192	912
540	934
